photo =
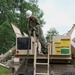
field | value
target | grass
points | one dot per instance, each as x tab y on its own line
4	71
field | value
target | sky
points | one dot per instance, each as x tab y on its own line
58	14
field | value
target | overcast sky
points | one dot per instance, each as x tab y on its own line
59	14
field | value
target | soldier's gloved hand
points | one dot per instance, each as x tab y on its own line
34	29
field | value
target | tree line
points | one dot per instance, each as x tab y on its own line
13	11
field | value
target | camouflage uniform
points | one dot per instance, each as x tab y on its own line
34	24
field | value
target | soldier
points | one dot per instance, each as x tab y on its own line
34	24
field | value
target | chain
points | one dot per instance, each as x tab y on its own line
27	58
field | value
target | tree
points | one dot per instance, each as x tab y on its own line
50	33
13	11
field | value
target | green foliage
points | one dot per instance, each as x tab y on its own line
50	33
4	71
13	11
7	37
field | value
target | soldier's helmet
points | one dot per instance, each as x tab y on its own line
28	13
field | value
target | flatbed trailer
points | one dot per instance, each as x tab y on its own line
55	69
59	49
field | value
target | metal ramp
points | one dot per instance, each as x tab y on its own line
37	63
21	69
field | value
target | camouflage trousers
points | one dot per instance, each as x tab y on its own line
39	35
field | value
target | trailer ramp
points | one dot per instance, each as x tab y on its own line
21	69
